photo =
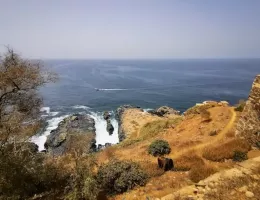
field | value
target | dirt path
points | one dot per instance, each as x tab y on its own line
217	138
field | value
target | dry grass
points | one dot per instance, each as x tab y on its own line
151	168
151	129
200	172
230	134
198	109
109	153
226	150
186	161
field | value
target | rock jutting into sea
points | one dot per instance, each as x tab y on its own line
119	116
75	133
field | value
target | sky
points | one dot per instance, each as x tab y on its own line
128	29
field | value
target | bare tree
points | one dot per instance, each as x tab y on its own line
20	101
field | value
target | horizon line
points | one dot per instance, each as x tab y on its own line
206	58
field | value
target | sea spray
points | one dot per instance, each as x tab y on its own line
102	136
52	125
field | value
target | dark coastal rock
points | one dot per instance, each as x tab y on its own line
119	113
100	146
110	128
72	134
164	110
106	115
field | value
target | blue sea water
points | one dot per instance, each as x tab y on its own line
147	83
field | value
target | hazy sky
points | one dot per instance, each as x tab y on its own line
131	28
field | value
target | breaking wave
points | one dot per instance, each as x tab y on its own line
112	89
102	136
45	110
52	121
52	125
81	107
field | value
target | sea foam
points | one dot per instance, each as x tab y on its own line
81	107
52	125
102	136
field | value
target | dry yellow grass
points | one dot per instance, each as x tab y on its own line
201	171
222	151
187	139
151	168
188	160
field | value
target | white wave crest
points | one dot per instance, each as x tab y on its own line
112	89
54	113
102	136
52	125
81	107
147	109
45	109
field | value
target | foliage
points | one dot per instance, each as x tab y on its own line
24	173
20	80
200	172
225	150
239	156
159	148
240	106
120	176
84	184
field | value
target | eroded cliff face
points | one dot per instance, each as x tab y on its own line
248	125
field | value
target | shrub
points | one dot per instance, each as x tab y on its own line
159	148
200	172
197	109
83	184
240	106
188	160
205	114
213	133
226	150
239	156
119	176
23	174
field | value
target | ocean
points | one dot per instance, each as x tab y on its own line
94	86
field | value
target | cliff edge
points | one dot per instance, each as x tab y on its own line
248	125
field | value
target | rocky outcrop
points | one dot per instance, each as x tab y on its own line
163	111
100	146
74	133
248	125
110	128
119	114
106	115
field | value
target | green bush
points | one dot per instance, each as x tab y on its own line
240	106
119	176
239	156
159	148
